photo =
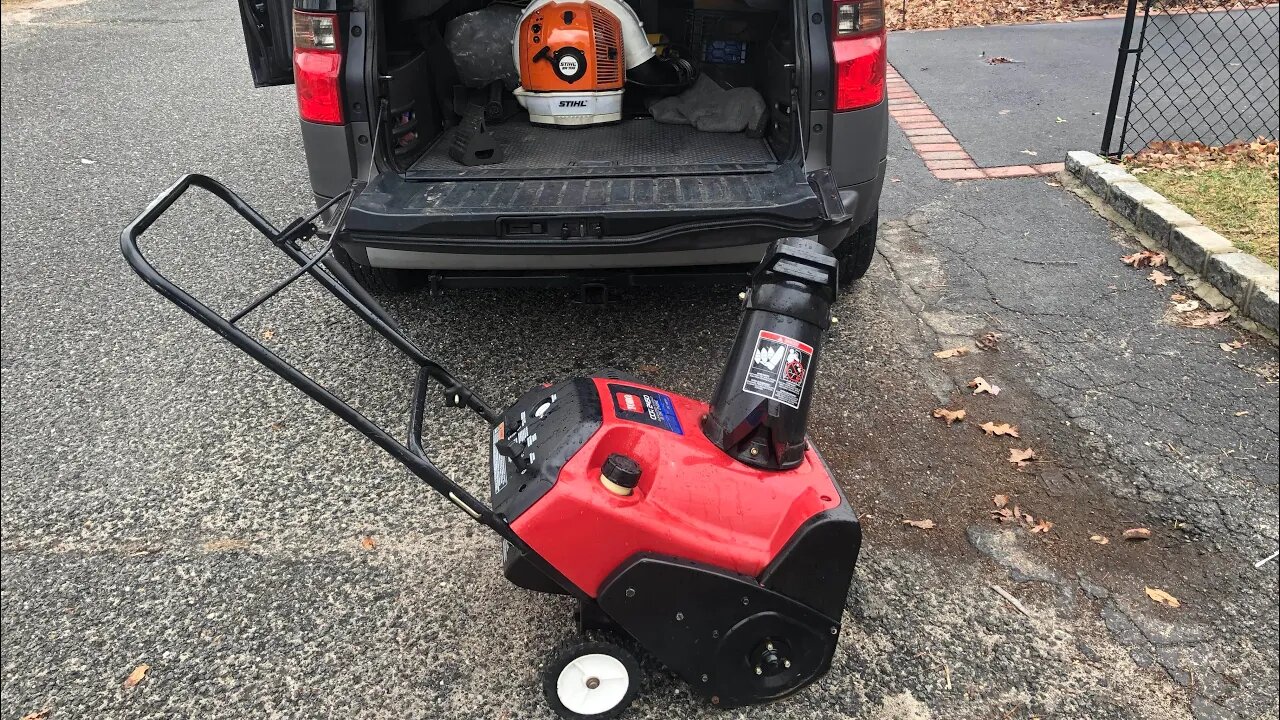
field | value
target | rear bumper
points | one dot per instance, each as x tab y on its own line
592	225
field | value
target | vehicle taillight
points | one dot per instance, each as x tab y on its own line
317	60
858	44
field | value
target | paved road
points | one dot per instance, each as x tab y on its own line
1053	97
166	502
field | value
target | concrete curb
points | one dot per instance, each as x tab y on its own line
1252	285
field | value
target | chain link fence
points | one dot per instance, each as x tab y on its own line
1194	70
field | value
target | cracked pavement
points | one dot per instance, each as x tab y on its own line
167	502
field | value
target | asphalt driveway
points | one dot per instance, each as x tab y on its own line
1051	96
167	502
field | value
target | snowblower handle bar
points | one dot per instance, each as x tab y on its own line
325	270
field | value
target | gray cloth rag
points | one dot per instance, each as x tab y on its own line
711	108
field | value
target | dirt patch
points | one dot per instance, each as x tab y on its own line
912	466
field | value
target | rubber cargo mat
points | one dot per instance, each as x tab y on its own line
634	147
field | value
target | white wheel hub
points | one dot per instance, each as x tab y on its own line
592	684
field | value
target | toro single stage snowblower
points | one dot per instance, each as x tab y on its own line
712	537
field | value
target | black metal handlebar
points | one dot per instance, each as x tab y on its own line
325	269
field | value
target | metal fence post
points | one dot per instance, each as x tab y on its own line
1122	58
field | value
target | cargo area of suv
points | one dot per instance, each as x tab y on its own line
383	102
763	57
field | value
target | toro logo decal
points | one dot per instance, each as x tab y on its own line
630	402
645	406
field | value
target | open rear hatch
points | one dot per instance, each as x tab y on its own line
632	183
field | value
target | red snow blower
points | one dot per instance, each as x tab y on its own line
711	537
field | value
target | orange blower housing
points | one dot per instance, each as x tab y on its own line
571	63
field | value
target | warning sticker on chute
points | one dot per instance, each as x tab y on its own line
778	368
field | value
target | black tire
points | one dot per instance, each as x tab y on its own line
857	251
377	280
575	698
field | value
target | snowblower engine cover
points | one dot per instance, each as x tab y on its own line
703	543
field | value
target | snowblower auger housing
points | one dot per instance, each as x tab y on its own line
710	536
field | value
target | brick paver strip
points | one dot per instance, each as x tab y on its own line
961	174
948	164
919	132
942	153
952	155
1010	171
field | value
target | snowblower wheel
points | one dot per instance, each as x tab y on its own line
595	680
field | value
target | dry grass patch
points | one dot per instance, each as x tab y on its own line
1232	189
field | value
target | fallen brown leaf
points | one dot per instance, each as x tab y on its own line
1232	346
991	428
990	341
1003	514
137	675
1163	597
267	334
648	369
980	385
367	542
1021	457
1100	539
1159	279
950	353
1044	526
1139	533
998	60
922	524
1209	319
950	416
40	714
1178	297
1000	500
1186	307
1144	258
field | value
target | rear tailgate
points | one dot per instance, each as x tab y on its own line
571	215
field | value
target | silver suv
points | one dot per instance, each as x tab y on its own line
637	201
